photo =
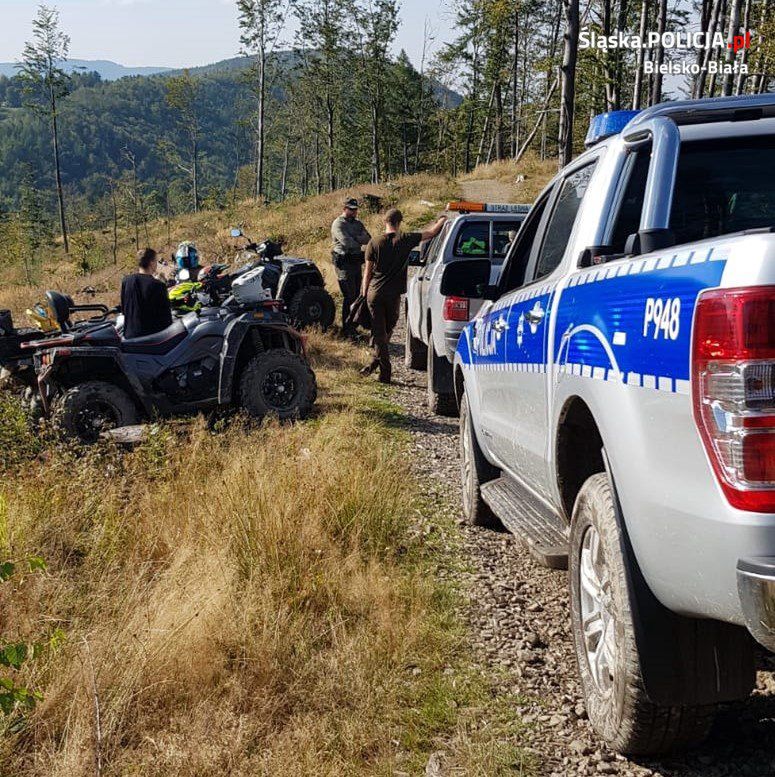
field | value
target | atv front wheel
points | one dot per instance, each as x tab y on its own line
312	306
278	383
84	412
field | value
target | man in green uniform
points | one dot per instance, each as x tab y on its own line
385	281
349	236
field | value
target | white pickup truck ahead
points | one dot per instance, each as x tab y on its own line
617	399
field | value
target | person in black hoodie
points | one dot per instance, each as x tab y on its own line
144	299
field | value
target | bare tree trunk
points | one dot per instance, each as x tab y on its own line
656	87
471	110
485	128
552	52
195	172
699	84
734	26
405	147
761	61
260	149
607	56
498	136
114	214
638	87
58	170
514	76
421	106
621	25
284	175
318	181
376	162
533	132
717	56
568	76
740	85
330	137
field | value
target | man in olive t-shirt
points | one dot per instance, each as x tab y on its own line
385	281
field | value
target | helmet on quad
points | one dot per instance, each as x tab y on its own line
187	256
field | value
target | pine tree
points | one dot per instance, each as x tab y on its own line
182	97
47	84
261	22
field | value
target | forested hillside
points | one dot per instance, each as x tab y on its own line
133	127
337	108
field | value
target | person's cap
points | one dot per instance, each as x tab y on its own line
351	203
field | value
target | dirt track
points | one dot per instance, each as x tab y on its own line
519	629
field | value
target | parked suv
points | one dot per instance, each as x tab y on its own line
617	408
433	321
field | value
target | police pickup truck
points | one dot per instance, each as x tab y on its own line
434	322
617	400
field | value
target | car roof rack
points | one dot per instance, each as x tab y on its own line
465	206
710	110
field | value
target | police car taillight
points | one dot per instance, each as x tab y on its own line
456	309
733	389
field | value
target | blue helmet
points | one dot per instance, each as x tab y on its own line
187	257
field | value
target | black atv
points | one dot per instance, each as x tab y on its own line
297	282
17	369
249	357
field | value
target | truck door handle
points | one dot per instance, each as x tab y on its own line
535	316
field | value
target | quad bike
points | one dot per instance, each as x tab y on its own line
244	355
211	288
17	369
297	282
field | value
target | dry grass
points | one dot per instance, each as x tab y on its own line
302	225
247	601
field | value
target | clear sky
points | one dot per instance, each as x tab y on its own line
175	33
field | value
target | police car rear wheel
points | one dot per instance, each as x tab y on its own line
475	471
604	636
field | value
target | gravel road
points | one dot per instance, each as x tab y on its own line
519	628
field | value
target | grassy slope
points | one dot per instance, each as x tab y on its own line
254	601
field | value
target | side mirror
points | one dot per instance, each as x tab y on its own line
468	278
416	258
236	232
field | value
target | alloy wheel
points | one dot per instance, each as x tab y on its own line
598	619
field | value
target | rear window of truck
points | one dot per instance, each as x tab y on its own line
486	238
722	186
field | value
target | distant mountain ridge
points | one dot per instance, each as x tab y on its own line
109	71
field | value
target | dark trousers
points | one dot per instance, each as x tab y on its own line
349	273
385	311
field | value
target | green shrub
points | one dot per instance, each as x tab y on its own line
18	442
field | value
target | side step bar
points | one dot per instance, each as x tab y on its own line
524	515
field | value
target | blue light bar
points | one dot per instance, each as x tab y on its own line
606	124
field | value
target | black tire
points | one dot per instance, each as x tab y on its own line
617	704
440	403
312	306
415	351
475	471
85	411
277	383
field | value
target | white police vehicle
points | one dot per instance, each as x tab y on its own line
617	399
433	321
